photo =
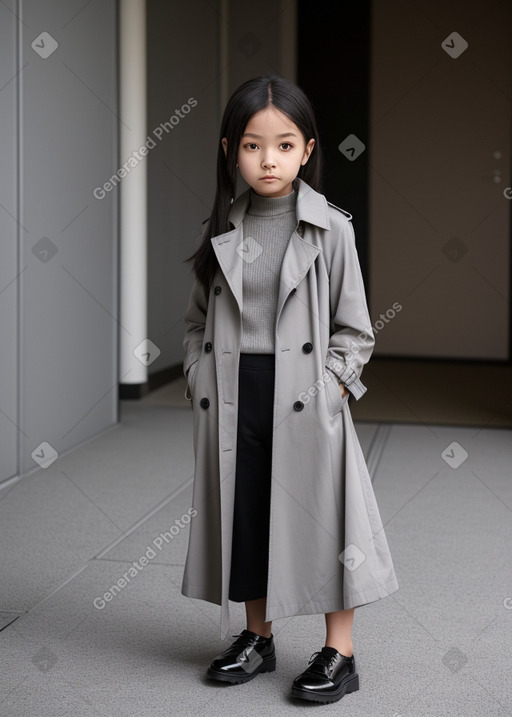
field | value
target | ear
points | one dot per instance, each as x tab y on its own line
308	150
225	145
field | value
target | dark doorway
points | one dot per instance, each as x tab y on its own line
333	69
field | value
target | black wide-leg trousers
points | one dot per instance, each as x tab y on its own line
251	519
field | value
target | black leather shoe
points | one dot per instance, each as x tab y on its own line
249	655
328	677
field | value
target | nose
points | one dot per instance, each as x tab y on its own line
268	162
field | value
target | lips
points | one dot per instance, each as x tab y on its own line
269	176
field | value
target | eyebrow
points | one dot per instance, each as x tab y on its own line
258	136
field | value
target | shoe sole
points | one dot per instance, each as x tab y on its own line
268	665
345	688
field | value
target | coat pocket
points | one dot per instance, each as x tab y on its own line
335	400
190	378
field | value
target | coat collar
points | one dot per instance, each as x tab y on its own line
300	252
311	206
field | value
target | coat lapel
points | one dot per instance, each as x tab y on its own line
299	255
229	259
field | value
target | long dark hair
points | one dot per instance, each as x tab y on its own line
252	97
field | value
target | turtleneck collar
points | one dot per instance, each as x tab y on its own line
271	206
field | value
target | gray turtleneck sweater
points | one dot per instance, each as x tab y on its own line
268	225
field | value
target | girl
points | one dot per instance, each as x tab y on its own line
277	334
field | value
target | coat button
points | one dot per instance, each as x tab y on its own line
204	403
298	406
307	347
217	290
208	346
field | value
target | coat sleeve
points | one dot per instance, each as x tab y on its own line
195	322
351	344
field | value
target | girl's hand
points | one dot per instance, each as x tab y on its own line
344	390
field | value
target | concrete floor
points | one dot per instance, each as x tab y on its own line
441	645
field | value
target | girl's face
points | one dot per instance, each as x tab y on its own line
271	146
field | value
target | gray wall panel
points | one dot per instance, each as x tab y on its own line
68	243
181	169
8	244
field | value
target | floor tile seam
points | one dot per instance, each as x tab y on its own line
151	512
130	561
376	450
99	555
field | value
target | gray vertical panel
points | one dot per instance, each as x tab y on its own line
8	243
182	164
69	300
255	46
181	169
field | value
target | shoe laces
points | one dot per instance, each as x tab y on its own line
322	657
238	636
241	638
246	636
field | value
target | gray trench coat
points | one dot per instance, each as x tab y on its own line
327	547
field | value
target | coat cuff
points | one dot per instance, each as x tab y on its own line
347	376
